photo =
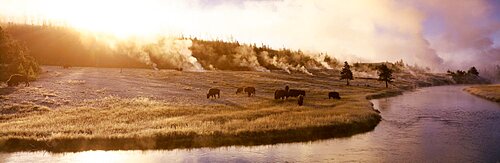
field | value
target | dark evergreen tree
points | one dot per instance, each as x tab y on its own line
385	74
346	73
473	71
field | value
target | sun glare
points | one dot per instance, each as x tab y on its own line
120	18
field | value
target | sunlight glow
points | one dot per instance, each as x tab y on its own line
121	18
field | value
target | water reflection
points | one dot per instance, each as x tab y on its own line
438	124
294	152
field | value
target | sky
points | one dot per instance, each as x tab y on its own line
441	34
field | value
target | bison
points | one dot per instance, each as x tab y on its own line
296	93
239	90
213	92
334	95
301	100
280	94
250	91
15	79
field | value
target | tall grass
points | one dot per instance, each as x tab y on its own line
490	92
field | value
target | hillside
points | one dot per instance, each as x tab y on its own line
65	46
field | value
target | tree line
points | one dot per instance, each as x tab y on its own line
470	76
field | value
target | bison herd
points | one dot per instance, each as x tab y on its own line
278	94
282	94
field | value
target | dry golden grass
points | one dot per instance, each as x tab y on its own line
115	117
490	92
163	107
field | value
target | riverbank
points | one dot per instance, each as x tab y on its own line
81	109
489	92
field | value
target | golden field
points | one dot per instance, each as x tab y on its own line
102	108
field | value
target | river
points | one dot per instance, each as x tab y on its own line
435	124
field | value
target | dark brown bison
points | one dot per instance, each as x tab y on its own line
213	92
296	93
301	100
65	66
250	91
15	79
334	95
239	90
280	94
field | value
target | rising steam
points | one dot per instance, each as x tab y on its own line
158	52
197	55
245	56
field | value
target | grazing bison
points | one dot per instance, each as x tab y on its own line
15	79
301	100
334	95
213	92
296	93
250	91
66	66
239	90
280	94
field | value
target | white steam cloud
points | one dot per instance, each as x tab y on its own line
465	37
169	51
246	57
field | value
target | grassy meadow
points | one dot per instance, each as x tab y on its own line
490	92
103	108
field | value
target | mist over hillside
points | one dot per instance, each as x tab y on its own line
53	45
65	46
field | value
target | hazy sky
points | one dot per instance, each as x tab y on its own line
437	33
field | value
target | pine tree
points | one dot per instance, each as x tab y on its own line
473	71
385	74
346	73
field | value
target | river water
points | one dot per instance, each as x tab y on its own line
436	124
